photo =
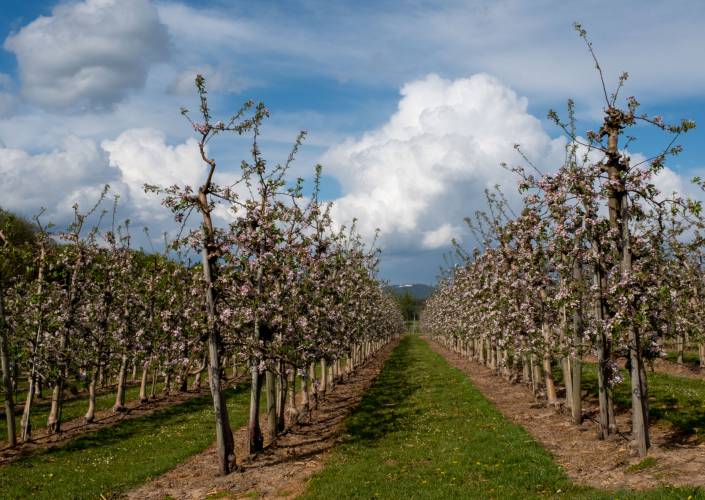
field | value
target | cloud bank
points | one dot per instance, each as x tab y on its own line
88	55
417	176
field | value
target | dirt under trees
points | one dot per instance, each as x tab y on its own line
71	429
284	467
605	464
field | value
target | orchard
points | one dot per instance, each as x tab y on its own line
254	350
278	294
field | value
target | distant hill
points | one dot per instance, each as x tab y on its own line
417	290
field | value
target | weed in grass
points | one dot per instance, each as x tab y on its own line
647	463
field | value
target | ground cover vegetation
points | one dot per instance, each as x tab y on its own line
674	401
595	262
424	431
112	460
278	290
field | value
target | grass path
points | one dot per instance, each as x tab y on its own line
110	461
424	431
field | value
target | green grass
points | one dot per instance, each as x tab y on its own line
675	401
644	464
690	358
73	408
114	459
424	431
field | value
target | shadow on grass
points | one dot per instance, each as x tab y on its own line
690	359
111	460
676	401
128	428
381	410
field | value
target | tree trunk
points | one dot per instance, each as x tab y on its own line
640	417
535	375
143	382
119	405
547	367
610	409
305	388
576	369
27	413
525	369
101	375
197	377
576	397
6	375
57	396
167	382
680	347
314	383
282	397
271	391
292	412
567	381
90	414
155	376
255	438
324	376
603	392
225	443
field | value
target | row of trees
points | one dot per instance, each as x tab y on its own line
596	262
277	289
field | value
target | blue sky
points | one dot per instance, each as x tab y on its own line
410	105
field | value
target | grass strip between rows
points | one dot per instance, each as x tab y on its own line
424	431
114	459
73	408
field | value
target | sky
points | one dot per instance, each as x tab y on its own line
410	106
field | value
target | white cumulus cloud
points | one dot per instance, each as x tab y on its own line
54	180
89	54
78	171
142	156
418	175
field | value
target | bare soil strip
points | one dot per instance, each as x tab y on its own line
71	429
586	459
282	470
